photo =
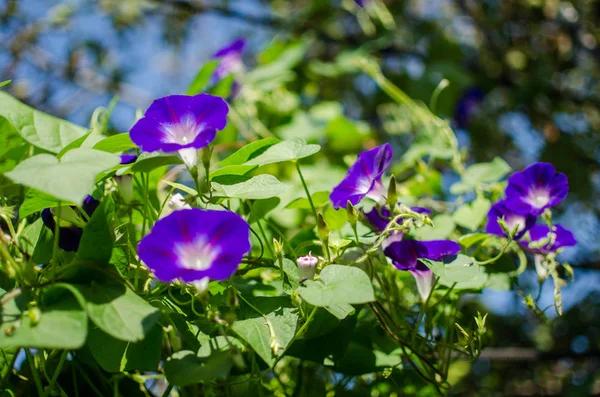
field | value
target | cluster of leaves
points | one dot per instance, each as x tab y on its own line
95	321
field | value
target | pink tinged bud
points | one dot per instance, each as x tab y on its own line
307	266
177	202
424	279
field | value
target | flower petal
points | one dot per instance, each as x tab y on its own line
362	176
563	238
501	210
536	188
192	244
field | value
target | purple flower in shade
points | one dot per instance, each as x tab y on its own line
405	255
536	188
361	3
196	245
379	218
231	59
500	210
562	238
71	223
128	158
467	106
181	123
363	178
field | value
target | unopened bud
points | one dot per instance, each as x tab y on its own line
125	187
177	202
206	155
201	285
307	266
392	194
322	229
278	249
352	213
34	316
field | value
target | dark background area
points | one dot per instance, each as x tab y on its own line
524	85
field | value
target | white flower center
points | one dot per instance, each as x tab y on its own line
198	255
183	132
515	221
538	198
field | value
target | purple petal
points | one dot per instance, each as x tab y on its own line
501	210
128	158
235	47
564	238
536	188
191	244
379	218
363	177
405	254
177	122
68	238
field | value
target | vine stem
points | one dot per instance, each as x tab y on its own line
34	373
311	316
61	363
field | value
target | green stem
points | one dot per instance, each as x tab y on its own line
56	236
494	259
34	373
61	363
422	312
264	236
311	316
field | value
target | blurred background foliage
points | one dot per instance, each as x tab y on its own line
523	84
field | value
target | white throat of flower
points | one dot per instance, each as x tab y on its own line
377	192
538	198
198	255
182	133
515	221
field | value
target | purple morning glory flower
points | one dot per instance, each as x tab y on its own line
563	238
363	178
195	245
69	236
467	106
405	255
536	188
231	59
361	3
379	218
128	158
500	210
181	123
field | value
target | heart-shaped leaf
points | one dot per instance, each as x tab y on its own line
71	178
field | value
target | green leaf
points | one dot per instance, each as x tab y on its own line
202	78
268	337
464	271
341	311
260	208
70	178
5	82
480	173
335	219
320	199
469	240
285	151
74	145
118	311
115	355
38	128
233	170
257	187
248	152
181	187
62	324
115	143
291	276
471	215
443	226
35	201
98	236
152	161
186	368
37	241
338	285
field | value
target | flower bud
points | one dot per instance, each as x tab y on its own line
201	285
307	266
322	229
392	194
125	187
278	249
352	213
177	202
